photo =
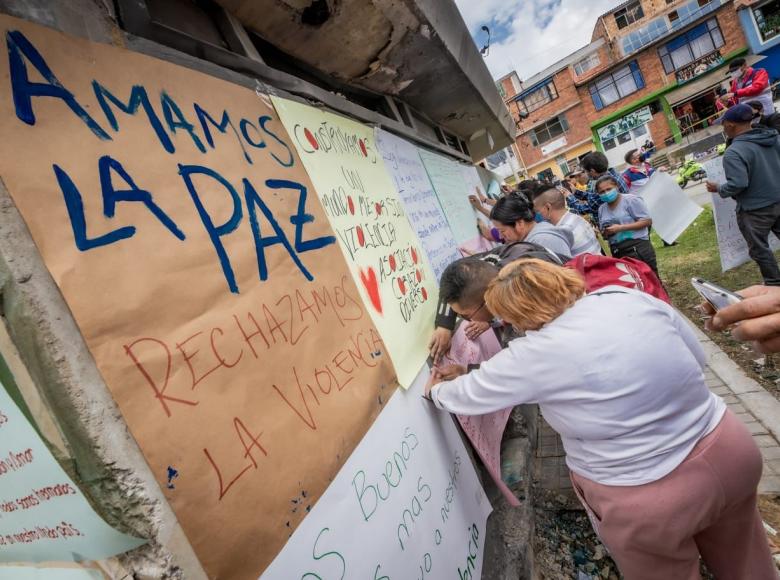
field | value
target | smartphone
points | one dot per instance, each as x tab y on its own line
716	296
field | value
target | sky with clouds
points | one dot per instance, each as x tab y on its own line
530	35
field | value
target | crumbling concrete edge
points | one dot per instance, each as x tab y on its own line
107	463
509	548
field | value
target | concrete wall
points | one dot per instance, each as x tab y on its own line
105	460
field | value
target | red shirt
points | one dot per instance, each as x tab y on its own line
757	81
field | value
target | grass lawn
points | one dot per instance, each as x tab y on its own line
696	255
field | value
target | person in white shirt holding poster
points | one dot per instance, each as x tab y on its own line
665	470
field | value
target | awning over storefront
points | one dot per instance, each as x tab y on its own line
705	83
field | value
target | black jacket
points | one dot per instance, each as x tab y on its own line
500	256
771	121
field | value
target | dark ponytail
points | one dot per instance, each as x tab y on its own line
512	209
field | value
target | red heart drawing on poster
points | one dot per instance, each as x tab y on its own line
351	205
361	238
372	287
378	208
424	294
414	255
391	259
402	285
419	276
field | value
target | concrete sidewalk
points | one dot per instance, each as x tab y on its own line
757	408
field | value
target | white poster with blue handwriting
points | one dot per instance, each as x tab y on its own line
731	244
407	504
419	199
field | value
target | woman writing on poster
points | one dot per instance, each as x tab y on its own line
667	473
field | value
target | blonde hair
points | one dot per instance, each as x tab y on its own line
529	293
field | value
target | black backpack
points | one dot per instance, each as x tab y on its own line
507	253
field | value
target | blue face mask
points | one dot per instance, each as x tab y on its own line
609	196
538	218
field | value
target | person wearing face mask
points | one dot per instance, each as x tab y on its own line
751	164
749	84
550	203
625	223
516	221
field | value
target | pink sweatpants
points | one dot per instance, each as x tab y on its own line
706	506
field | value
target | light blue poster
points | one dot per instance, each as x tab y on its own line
43	515
422	207
448	180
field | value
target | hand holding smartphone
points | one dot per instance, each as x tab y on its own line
715	296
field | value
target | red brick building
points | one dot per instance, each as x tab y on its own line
650	73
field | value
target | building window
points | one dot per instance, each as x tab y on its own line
691	11
641	37
628	15
537	99
768	19
546	175
549	131
612	87
697	43
563	165
588	63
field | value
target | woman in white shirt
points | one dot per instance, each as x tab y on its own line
666	472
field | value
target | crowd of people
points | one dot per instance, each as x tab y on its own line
569	219
667	473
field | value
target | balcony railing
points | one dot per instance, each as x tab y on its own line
662	26
691	12
699	67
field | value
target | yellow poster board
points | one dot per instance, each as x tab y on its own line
181	227
384	254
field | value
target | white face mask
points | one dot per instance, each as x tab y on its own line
735	75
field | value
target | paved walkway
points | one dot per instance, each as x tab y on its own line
757	408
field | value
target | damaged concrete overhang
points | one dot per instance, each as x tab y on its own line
417	50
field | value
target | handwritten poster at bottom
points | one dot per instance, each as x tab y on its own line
43	514
407	504
384	255
731	244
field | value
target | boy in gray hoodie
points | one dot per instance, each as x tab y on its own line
752	167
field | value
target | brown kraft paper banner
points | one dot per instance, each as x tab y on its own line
177	220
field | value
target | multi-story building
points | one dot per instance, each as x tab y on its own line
549	113
669	58
760	21
650	73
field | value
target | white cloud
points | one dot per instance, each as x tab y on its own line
540	32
